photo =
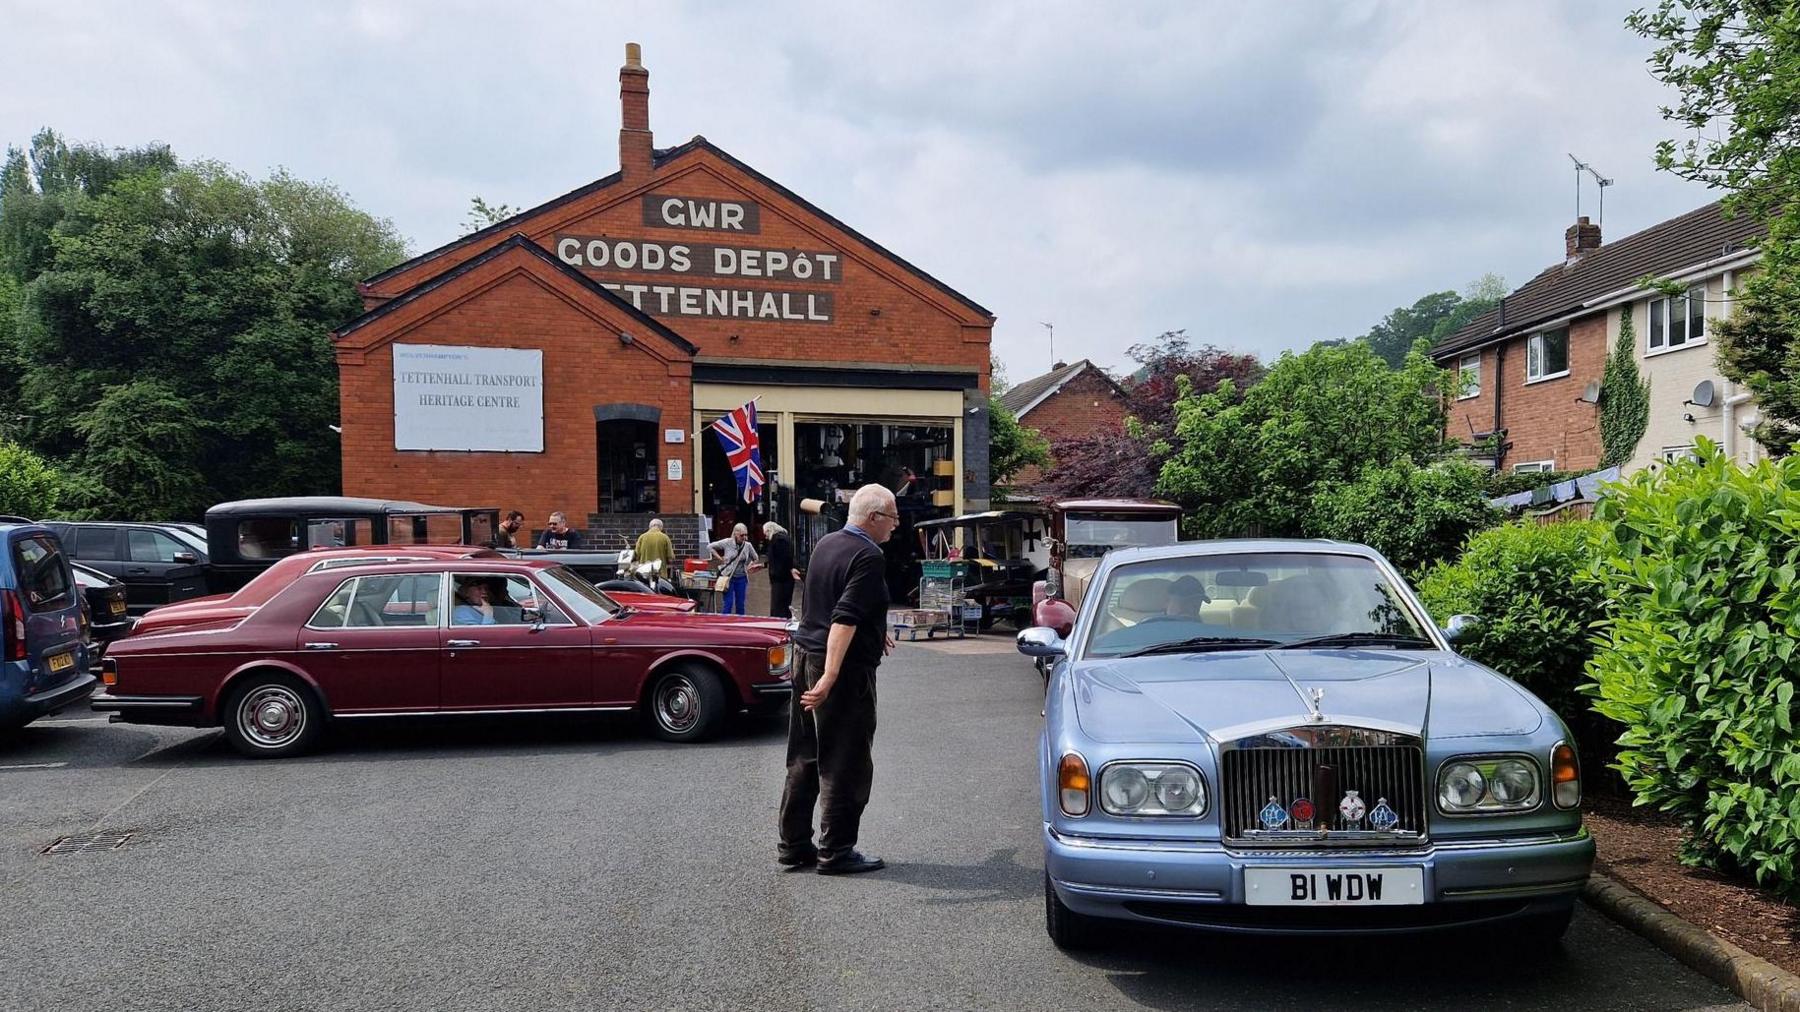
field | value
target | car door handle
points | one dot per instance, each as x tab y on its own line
319	646
139	571
463	643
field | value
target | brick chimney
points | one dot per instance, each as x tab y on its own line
1581	237
636	153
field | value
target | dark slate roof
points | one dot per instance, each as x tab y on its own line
1561	289
662	157
1025	396
518	241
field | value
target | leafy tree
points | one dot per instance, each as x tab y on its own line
1253	466
1011	446
1624	399
1414	515
997	383
1107	464
1431	318
174	348
1164	360
1735	68
482	214
1125	465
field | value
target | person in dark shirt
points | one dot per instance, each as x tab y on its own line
840	641
558	534
782	573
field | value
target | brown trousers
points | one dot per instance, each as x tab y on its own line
830	760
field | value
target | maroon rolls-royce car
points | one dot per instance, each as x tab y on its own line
439	636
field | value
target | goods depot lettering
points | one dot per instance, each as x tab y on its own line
710	261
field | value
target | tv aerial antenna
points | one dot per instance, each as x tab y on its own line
1051	327
1600	181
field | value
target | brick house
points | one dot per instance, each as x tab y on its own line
573	356
1531	366
1072	400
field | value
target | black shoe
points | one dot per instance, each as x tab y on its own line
797	860
853	863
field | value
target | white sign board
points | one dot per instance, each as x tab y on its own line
674	469
458	398
674	436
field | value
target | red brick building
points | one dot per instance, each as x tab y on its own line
1531	366
1069	401
571	357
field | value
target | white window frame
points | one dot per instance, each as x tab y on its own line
1468	376
1656	338
1670	454
1535	342
1529	466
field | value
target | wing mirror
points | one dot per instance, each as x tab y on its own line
186	558
1460	627
1041	641
534	617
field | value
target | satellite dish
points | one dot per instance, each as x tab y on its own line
1703	394
1591	393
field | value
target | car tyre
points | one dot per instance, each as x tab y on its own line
685	704
272	716
1069	930
1543	932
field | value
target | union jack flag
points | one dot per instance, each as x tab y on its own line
737	434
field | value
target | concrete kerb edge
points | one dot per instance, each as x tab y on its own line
1761	983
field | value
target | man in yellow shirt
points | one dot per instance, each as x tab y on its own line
653	545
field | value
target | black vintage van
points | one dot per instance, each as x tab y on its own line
246	537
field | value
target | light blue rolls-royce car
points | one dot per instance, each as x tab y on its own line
1273	736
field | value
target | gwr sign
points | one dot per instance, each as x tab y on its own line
662	210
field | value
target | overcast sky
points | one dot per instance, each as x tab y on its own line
1263	175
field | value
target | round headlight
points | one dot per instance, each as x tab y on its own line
1461	786
1513	782
1125	789
1177	789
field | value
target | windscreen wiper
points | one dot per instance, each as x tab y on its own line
1358	639
1198	644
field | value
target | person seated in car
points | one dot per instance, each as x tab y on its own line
473	606
1186	595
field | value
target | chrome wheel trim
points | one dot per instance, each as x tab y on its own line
677	703
271	716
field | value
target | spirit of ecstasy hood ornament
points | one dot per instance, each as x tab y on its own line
1316	699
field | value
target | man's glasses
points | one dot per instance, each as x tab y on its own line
895	517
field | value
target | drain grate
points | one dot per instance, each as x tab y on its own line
110	839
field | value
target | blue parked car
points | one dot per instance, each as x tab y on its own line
1274	737
43	656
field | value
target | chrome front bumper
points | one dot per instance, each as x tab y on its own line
1181	882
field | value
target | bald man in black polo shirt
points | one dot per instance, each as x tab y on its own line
831	728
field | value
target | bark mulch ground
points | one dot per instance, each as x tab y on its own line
1639	847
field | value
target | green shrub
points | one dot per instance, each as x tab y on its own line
1697	659
29	486
1413	515
1522	580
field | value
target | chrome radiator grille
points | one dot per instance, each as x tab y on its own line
1395	773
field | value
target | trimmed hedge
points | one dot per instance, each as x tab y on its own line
1698	660
1523	580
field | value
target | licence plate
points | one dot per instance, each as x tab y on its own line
118	607
1333	887
61	662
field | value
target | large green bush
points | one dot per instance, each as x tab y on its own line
1522	580
1413	515
29	486
1697	659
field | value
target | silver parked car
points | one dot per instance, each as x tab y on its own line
1273	736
